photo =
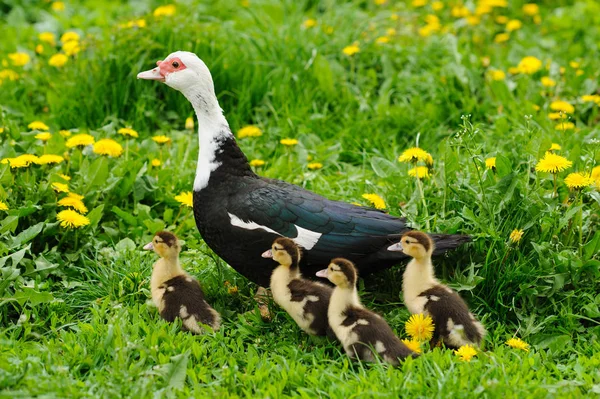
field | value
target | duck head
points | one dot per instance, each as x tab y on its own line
415	244
340	272
165	244
285	252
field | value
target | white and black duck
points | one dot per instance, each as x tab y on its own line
239	213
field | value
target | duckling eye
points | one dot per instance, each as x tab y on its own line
175	64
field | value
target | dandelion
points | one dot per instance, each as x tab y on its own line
351	49
58	6
155	162
490	163
47	37
76	196
501	37
80	140
309	23
413	154
548	82
579	72
165	11
64	133
108	147
25	159
161	139
185	198
420	327
249	131
515	235
60	187
460	11
74	203
429	160
257	163
577	180
465	352
562	106
375	200
555	147
49	159
8	74
437	6
43	136
314	165
565	126
513	24
37	125
71	48
595	175
553	163
64	177
136	23
594	98
413	345
518	343
529	65
557	115
419	172
382	40
419	3
15	162
69	218
496	74
69	37
39	49
288	142
127	131
189	123
19	59
531	9
501	19
3	206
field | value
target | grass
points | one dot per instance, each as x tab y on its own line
74	308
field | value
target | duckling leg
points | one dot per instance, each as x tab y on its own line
262	298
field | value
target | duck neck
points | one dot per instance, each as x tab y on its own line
418	277
347	295
218	149
165	269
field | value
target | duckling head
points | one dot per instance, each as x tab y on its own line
285	252
415	244
165	244
340	272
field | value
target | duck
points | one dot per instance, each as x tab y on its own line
174	292
304	300
455	325
239	213
362	332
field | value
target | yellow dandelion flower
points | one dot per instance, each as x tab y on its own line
420	327
351	49
413	345
501	19
3	206
565	126
460	11
314	165
15	162
465	352
594	98
185	198
574	64
189	123
516	235
562	106
288	142
257	163
531	9
548	82
69	218
513	70
108	147
136	23
64	177
60	187
37	125
43	136
1	130
64	133
28	158
429	160
579	72
69	37
518	343
80	140
74	203
553	163
127	131
513	24
557	115
8	74
309	23
48	159
375	200
58	6
76	196
501	37
249	131
71	48
555	147
496	74
155	162
413	154
39	49
529	65
165	11
48	37
437	6
382	40
19	59
490	163
577	180
419	172
161	139
419	3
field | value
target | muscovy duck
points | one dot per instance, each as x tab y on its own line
239	213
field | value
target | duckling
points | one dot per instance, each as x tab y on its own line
361	331
174	292
306	301
455	325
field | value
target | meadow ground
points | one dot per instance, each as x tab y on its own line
487	87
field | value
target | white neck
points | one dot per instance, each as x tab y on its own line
347	296
418	277
165	269
212	130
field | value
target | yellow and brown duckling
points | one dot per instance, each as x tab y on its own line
455	325
176	293
306	301
361	331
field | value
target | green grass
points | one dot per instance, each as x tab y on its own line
74	313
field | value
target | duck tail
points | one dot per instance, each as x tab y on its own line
445	242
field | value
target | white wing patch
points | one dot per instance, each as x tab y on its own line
306	238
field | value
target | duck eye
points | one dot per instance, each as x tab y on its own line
175	64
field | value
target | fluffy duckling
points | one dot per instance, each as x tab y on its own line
176	293
361	331
306	301
455	325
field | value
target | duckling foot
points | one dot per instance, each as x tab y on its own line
262	298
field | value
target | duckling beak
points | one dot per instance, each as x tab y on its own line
149	246
267	254
322	273
396	247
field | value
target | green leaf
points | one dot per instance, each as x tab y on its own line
27	235
9	223
96	174
382	167
175	373
15	256
592	247
34	297
154	225
95	215
503	166
127	217
125	245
